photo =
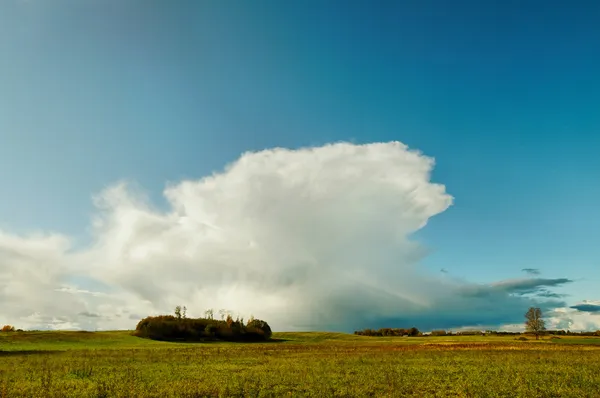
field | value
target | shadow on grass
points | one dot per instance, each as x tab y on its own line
270	341
182	341
28	352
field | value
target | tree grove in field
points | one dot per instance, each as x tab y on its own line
180	327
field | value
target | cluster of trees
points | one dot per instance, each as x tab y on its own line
502	333
389	332
7	328
179	327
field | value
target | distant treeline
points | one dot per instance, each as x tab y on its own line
569	333
177	328
414	332
548	332
389	332
458	333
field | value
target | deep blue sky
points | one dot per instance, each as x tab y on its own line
505	95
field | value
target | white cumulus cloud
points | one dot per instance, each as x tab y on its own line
314	238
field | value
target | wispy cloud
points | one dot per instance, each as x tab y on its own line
89	314
549	294
529	285
531	271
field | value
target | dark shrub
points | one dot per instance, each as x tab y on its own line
262	326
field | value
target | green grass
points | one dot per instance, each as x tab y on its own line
25	341
116	364
577	340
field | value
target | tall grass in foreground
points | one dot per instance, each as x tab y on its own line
350	369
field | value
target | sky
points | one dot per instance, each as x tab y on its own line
321	165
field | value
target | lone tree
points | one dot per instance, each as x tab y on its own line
534	323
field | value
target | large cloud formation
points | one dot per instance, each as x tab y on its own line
315	238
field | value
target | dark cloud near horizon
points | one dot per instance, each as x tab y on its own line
531	271
471	305
493	312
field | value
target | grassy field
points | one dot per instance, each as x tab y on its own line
116	364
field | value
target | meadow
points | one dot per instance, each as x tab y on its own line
117	364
